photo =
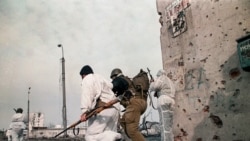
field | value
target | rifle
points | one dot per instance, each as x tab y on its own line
151	77
155	93
90	114
152	80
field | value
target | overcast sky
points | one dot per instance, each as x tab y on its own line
104	34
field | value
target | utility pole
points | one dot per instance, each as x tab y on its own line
28	113
64	114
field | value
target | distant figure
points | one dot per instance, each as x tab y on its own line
8	135
165	92
96	91
18	125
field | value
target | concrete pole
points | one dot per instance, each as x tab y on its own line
64	113
28	114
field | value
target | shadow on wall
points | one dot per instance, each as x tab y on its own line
227	113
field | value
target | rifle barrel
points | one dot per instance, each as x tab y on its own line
150	74
71	126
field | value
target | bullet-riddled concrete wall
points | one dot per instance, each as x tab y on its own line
199	52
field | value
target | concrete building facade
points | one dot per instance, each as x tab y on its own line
36	120
199	40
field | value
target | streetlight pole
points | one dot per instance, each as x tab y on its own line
28	113
64	115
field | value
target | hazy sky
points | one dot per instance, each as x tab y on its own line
104	34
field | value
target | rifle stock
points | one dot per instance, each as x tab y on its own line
90	114
99	109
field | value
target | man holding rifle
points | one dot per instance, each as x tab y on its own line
96	92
